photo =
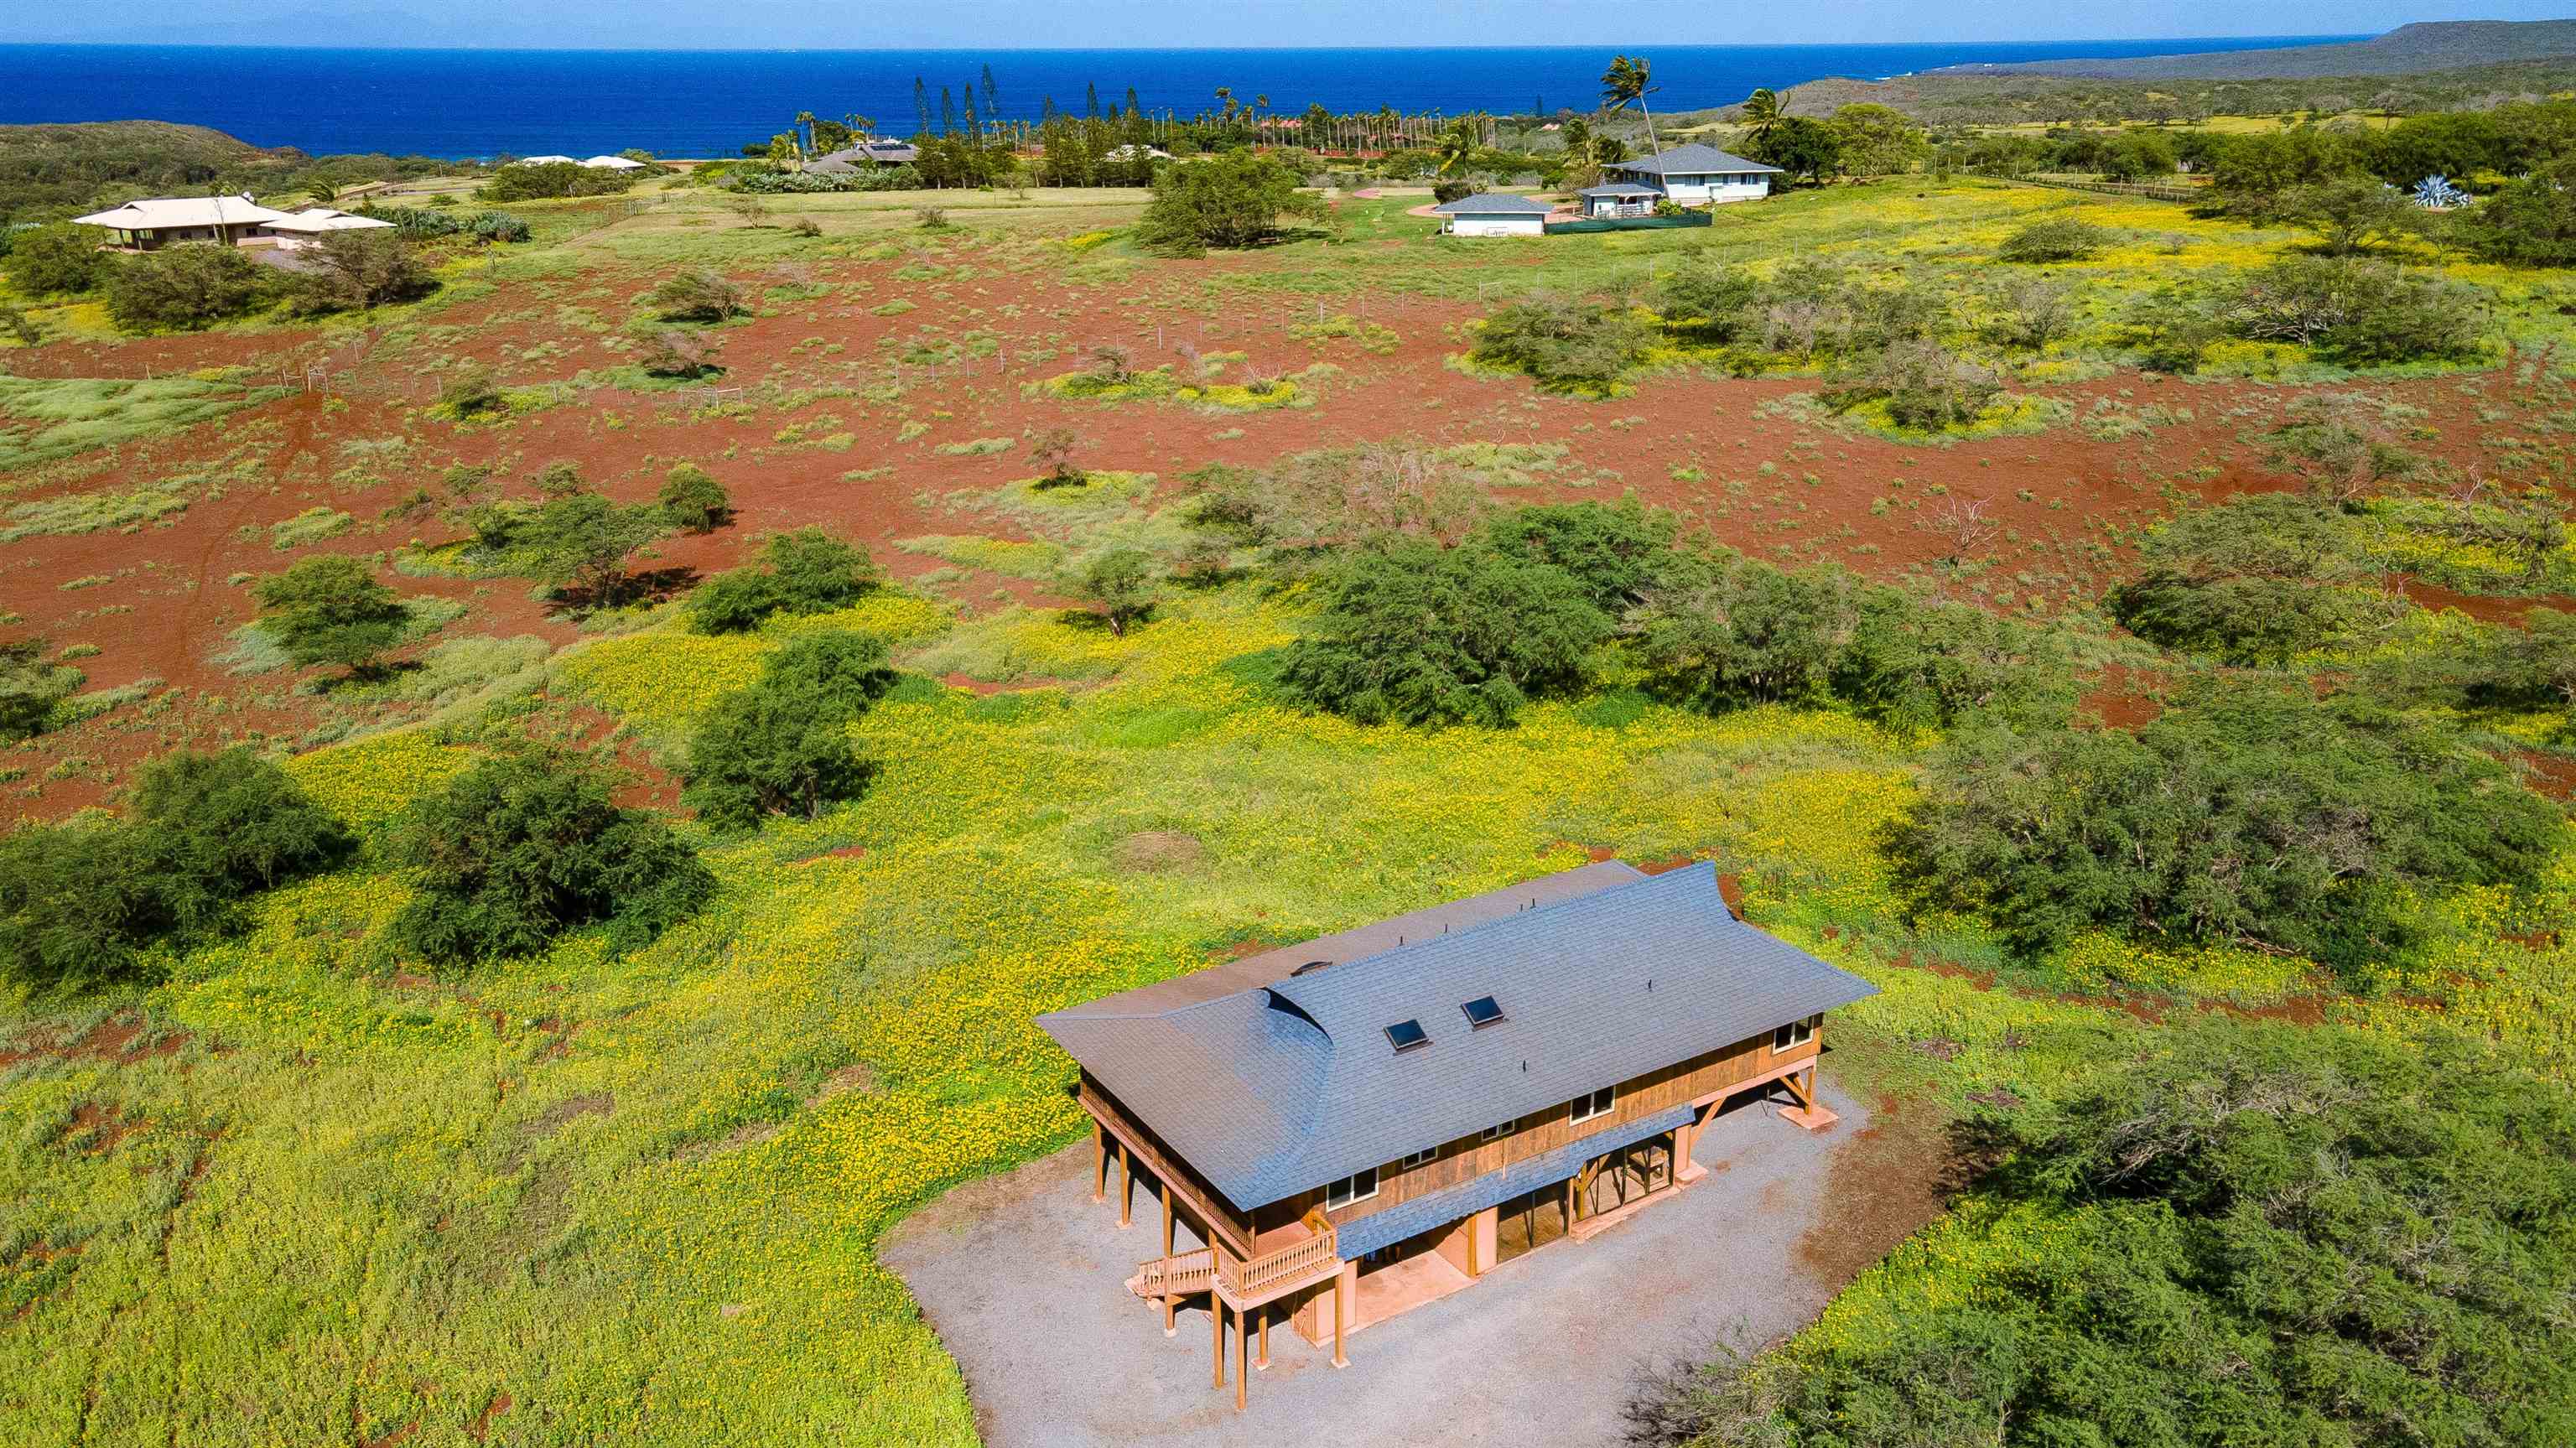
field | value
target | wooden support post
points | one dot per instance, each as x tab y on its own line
1242	1369
1126	1187
1342	1291
1099	1162
1216	1339
1167	1219
1262	1322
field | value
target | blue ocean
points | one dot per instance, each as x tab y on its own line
480	103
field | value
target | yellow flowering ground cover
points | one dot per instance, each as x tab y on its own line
637	1197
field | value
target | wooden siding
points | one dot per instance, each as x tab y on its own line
1220	1215
1708	1074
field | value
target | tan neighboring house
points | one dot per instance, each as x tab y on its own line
1370	1121
299	229
165	221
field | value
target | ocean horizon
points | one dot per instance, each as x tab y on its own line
470	104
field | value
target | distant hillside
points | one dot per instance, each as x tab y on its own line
2427	46
56	169
53	171
2007	97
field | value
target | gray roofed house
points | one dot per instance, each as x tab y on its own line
1356	1101
1695	174
1692	158
1494	203
864	156
1493	213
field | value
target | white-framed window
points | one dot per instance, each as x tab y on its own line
1359	1186
1497	1133
1414	1159
1584	1108
1796	1033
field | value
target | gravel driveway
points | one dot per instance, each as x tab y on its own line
1022	1277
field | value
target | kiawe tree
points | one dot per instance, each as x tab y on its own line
332	610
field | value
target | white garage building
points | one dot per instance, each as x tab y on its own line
1493	213
1696	175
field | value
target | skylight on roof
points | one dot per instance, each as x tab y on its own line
1407	1035
1483	1011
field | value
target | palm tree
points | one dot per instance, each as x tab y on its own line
323	193
1762	112
1627	83
1457	143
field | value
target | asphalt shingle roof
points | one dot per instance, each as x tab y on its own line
1493	203
1439	1209
1621	188
1272	1089
1691	160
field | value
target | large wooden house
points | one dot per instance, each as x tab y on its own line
1369	1121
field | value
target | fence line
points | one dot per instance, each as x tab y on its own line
2142	189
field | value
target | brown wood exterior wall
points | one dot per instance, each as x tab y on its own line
1221	1216
1462	1161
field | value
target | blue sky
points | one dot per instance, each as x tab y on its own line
1021	23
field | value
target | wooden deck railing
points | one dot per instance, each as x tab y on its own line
1242	1281
1175	1276
1287	1265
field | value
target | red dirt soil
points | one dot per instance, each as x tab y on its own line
1717	450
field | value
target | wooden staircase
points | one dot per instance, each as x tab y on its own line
1243	1284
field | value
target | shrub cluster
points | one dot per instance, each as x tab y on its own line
554	179
526	846
805	572
89	901
1564	343
2252	1233
1234	200
782	746
2241	815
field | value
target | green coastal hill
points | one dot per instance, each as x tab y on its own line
2407	50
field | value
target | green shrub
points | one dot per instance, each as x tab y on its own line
554	179
1917	666
1123	584
79	903
1236	199
524	847
2357	312
2060	238
1618	553
1562	343
804	572
331	610
579	541
2253	580
1414	633
89	901
32	689
360	269
782	746
1721	630
227	825
1925	385
2531	222
1710	302
2241	815
693	501
2245	1233
61	258
186	287
697	296
2352	215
